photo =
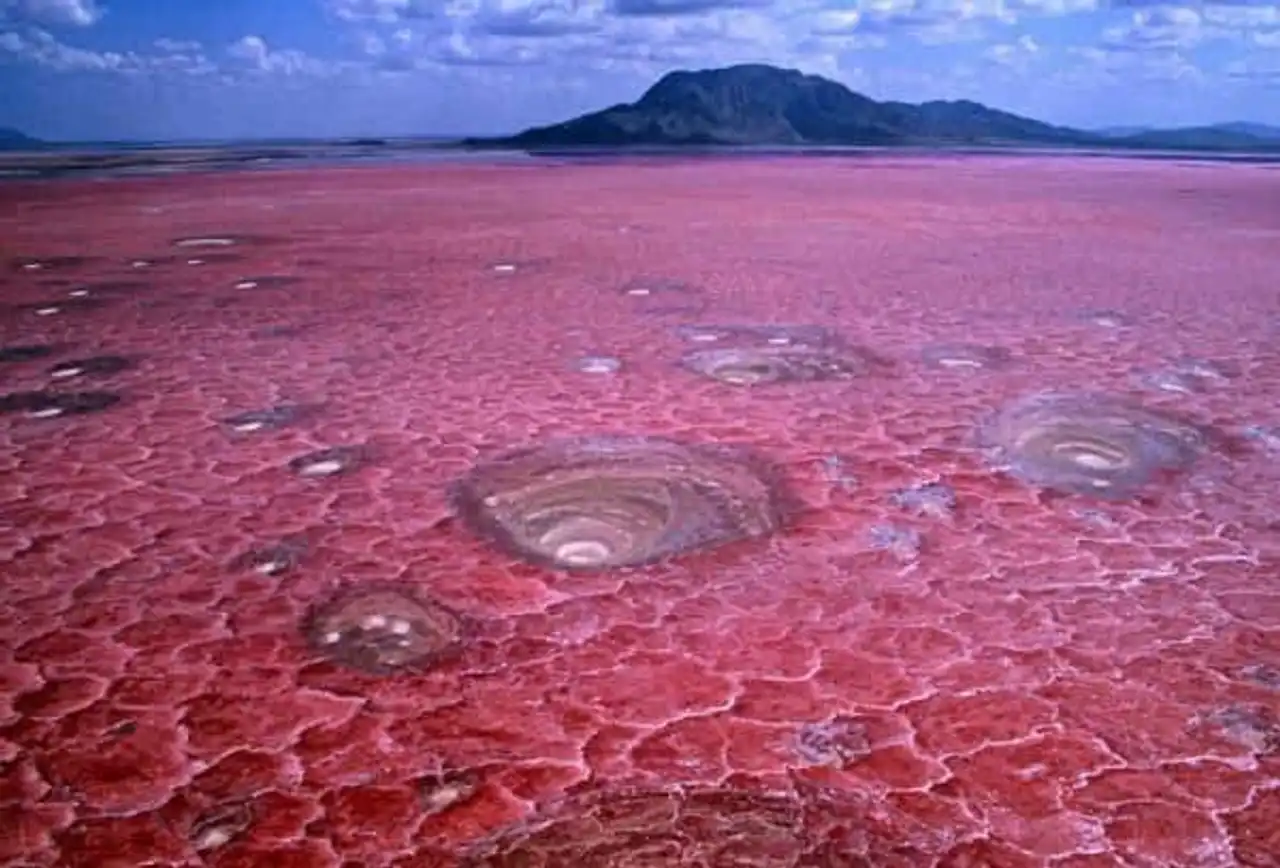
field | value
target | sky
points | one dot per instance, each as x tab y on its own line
218	69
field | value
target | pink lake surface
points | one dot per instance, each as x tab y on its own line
1011	679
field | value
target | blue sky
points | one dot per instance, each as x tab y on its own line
197	69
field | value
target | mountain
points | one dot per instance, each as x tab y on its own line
1121	132
756	104
1216	137
1258	131
12	140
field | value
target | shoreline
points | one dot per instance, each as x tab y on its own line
144	161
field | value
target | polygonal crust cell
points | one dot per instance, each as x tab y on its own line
652	828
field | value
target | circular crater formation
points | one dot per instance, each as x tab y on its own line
776	335
383	630
663	295
1086	443
267	281
966	357
209	242
1107	318
272	559
279	416
614	501
92	366
333	461
54	308
624	828
48	263
51	405
108	287
759	366
598	364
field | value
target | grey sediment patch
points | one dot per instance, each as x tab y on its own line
14	353
932	499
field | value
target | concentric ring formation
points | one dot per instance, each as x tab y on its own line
383	630
1082	443
604	502
757	366
761	335
652	828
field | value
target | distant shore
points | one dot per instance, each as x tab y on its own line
134	160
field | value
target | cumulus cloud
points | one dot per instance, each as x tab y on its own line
544	19
253	54
1123	65
1255	70
250	54
1157	28
1242	16
40	48
384	11
1014	55
50	13
659	8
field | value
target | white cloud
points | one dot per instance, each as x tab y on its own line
51	13
1014	55
1242	16
384	11
1157	28
1120	63
253	54
250	54
1255	69
40	48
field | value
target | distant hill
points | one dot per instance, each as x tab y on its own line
1261	131
1230	136
761	105
13	140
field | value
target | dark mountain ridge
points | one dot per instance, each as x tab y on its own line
761	105
14	140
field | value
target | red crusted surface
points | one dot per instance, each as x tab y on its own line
1018	680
